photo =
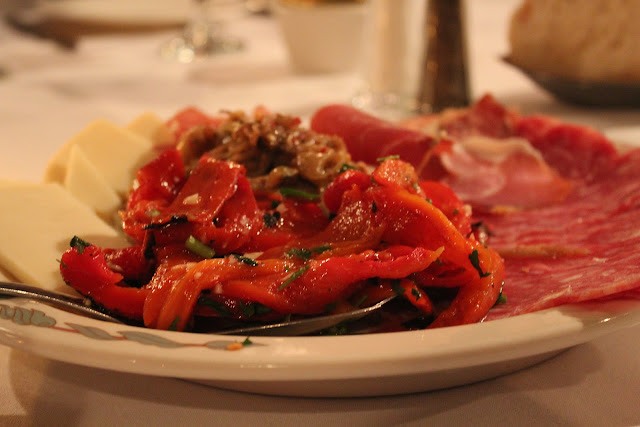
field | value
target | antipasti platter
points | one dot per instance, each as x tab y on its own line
185	226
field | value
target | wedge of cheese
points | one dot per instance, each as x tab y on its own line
153	128
116	153
37	223
87	184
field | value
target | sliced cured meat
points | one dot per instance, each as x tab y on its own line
585	248
576	152
486	117
580	242
501	172
475	151
369	138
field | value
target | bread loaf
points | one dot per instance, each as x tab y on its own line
588	40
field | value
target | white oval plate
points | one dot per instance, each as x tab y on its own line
361	365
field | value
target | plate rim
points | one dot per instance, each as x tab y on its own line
271	359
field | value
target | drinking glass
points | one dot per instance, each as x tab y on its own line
203	37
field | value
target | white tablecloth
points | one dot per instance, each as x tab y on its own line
50	94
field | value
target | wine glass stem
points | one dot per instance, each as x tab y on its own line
198	31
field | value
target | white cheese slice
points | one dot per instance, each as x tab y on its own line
37	223
115	152
153	128
89	186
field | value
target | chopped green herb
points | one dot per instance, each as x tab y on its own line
79	244
251	309
261	309
299	252
197	247
174	324
216	306
275	204
271	219
395	285
502	299
247	310
385	158
330	307
362	299
247	341
294	192
320	249
429	201
305	253
455	212
346	167
374	207
296	274
339	329
416	293
246	260
475	262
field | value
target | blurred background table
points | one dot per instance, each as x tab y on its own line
49	92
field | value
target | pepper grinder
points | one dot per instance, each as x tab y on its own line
444	81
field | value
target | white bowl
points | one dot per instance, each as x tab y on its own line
322	38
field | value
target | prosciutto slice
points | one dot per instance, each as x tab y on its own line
580	242
369	138
476	152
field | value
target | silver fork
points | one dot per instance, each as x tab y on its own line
77	305
83	306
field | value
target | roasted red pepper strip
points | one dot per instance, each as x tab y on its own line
446	200
173	264
158	183
132	262
398	175
88	273
332	195
174	301
384	228
475	298
291	221
286	286
160	179
208	187
412	220
353	230
238	221
416	296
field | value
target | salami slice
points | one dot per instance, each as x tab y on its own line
585	248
